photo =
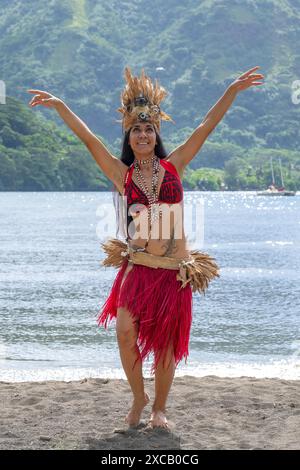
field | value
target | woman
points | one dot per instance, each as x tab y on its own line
151	297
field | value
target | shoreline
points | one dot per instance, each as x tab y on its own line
285	369
204	413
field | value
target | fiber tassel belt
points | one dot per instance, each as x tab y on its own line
199	269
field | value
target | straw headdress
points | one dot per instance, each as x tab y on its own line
141	100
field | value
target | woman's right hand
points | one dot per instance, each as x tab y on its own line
43	98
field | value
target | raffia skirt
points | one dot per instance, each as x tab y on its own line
157	292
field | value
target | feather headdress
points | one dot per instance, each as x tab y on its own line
141	100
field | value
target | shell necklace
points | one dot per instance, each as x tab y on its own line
153	207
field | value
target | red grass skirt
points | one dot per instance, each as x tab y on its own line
164	312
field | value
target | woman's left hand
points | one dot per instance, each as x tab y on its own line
247	79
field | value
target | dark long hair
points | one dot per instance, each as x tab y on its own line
127	157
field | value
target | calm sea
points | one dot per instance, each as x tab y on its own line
52	285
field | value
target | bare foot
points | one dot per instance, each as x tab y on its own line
134	415
158	420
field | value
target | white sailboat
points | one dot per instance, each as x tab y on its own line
272	189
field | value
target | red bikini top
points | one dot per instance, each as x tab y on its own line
171	190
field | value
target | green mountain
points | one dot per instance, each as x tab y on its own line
78	49
36	155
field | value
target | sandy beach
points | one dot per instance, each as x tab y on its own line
204	413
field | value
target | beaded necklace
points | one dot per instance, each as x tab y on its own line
153	207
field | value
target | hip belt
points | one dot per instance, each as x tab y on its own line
198	270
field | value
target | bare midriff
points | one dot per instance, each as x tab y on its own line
167	236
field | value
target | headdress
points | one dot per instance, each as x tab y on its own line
141	100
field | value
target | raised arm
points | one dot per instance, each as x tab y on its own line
183	154
111	166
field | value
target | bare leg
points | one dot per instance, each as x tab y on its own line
164	375
127	333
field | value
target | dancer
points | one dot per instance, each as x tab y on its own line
151	296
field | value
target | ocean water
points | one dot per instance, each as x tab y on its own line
52	286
